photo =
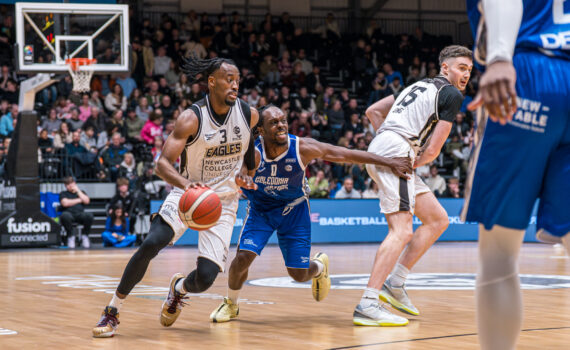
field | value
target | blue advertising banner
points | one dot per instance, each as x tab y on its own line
359	220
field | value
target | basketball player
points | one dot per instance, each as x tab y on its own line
281	203
416	124
522	151
211	139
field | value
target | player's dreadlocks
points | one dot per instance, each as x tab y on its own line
196	68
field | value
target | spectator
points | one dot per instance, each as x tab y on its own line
453	190
347	190
88	139
268	71
73	202
152	128
163	87
148	57
85	108
62	136
314	80
134	126
7	121
196	94
372	190
143	110
113	156
51	124
306	65
161	61
395	86
45	144
128	170
301	126
95	100
391	74
97	120
127	83
167	107
435	182
116	100
304	102
335	117
154	96
182	88
460	127
74	122
116	232
326	100
285	67
253	98
319	185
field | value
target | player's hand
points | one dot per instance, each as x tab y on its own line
193	185
246	182
401	166
497	92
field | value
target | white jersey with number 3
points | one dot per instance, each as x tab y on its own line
215	155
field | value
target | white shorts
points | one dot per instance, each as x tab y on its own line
213	243
395	194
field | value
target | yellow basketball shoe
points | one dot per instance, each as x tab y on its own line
376	315
398	298
173	304
322	282
225	312
107	325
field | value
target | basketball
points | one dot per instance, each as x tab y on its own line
199	208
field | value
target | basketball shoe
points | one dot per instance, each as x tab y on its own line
173	304
376	315
226	311
107	325
398	298
322	282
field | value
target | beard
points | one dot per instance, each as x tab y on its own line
230	103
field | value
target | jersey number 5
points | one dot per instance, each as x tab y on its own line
411	96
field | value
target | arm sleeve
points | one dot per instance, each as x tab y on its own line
503	20
449	103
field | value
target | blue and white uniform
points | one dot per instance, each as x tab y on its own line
279	204
528	158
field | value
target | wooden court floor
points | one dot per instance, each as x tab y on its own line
50	299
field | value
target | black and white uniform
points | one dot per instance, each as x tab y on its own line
407	128
214	157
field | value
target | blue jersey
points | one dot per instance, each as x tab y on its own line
545	27
281	181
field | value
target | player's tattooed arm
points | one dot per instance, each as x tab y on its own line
311	149
378	111
186	126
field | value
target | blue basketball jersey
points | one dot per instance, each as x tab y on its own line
280	181
545	27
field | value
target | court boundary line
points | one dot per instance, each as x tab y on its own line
440	337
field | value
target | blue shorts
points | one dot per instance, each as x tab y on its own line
528	158
293	226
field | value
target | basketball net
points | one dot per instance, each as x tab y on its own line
81	77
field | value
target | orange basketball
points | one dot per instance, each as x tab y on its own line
199	208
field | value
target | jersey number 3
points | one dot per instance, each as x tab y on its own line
411	96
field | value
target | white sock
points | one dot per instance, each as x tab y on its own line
320	267
399	275
370	296
233	295
116	302
179	287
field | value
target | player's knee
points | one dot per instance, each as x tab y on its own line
159	236
442	223
403	235
243	259
206	273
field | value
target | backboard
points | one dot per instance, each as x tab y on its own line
49	33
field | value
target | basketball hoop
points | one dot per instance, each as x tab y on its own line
81	77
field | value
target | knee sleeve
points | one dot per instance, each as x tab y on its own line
203	277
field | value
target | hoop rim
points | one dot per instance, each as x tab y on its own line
75	63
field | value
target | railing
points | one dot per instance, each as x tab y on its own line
53	167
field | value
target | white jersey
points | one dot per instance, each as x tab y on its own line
215	155
419	107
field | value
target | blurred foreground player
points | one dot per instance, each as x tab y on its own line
522	151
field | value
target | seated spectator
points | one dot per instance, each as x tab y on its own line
98	120
395	86
8	120
128	169
74	122
268	71
304	102
45	144
156	150
134	126
73	202
63	107
196	93
152	128
453	190
80	160
51	124
95	100
62	136
372	191
122	197
154	96
88	139
301	126
113	156
306	65
319	185
85	108
116	232
335	118
435	182
347	190
167	107
161	61
116	99
253	98
143	110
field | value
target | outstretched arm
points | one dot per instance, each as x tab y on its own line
311	149
378	111
186	126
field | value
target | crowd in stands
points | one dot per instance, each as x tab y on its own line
321	78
